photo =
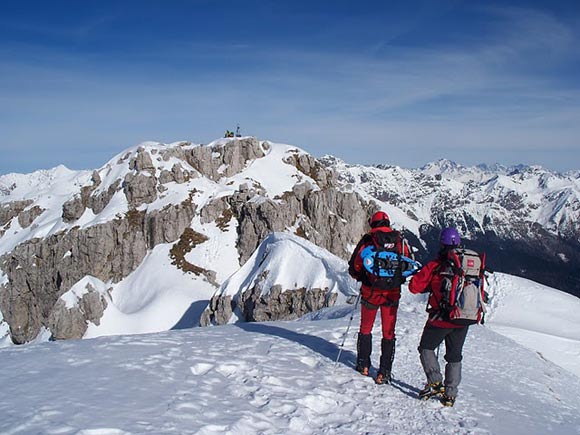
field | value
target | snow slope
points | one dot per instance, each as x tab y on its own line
539	317
158	297
277	377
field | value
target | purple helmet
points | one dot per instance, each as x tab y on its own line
450	237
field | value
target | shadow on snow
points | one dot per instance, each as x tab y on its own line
190	318
319	345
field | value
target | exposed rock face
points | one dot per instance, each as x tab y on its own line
329	218
73	209
98	202
225	160
66	323
41	270
218	312
12	209
142	162
140	189
177	175
21	210
27	216
278	304
282	304
310	166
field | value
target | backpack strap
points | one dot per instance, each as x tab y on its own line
351	270
458	275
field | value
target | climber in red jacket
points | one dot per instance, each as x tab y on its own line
438	327
378	293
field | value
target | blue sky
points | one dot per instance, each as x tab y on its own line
390	82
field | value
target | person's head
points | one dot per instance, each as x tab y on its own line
449	237
379	219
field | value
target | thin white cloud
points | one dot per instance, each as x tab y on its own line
468	99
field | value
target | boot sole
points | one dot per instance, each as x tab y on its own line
429	396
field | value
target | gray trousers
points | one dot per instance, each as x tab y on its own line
454	339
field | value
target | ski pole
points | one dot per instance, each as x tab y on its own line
347	329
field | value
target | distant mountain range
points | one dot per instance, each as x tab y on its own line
526	218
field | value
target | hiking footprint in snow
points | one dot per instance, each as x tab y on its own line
201	369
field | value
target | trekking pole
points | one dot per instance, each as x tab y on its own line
347	329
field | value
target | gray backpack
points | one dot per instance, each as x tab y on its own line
462	286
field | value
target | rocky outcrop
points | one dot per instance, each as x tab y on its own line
10	210
177	175
27	216
140	189
218	312
69	323
328	217
142	162
99	201
311	167
277	304
281	304
20	209
41	270
224	160
73	209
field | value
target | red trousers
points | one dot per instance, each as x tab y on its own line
388	320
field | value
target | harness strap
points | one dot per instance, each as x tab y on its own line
370	306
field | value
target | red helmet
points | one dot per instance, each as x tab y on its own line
379	217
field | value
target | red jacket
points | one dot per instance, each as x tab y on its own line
428	280
372	295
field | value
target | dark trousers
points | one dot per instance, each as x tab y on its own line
454	339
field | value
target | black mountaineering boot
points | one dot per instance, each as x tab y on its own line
386	364
447	400
435	389
363	357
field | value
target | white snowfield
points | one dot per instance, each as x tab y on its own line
276	378
539	317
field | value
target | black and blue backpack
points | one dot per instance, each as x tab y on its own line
385	266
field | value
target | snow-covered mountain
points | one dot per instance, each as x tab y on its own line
162	236
525	217
155	221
